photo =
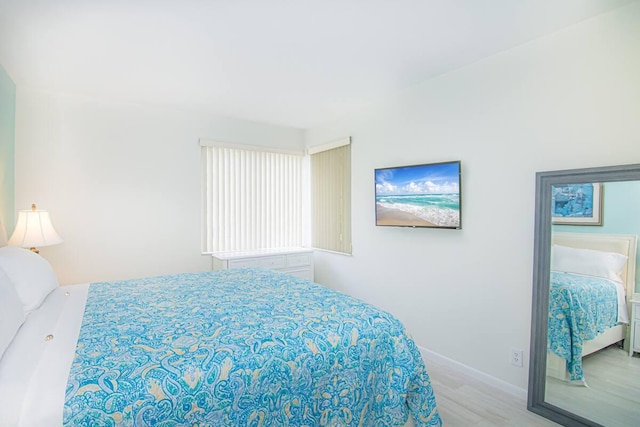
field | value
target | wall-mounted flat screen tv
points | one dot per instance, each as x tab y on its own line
425	195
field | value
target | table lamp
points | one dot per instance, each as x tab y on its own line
34	229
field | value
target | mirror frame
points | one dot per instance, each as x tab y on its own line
541	272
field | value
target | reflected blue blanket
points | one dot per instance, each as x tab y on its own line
245	347
580	307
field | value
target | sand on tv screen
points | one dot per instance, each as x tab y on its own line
426	195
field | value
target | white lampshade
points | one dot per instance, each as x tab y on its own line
34	229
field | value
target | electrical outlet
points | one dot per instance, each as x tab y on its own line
516	357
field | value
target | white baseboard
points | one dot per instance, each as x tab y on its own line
473	373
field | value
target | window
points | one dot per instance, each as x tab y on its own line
331	196
252	198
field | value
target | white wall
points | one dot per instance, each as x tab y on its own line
122	182
566	101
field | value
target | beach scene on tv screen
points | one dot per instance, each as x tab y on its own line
419	196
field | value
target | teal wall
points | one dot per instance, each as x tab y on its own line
621	214
7	150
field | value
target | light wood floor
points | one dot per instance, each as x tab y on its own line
466	402
613	395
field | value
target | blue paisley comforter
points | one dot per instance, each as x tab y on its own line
580	308
242	347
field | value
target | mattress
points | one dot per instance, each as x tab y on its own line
234	347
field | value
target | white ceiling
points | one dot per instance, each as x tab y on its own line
297	63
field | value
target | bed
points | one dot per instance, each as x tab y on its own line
247	347
592	281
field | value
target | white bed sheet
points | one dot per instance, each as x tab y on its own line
34	370
623	314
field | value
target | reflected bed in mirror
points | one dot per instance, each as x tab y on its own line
591	282
585	347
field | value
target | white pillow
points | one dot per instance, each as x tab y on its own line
31	275
588	262
11	312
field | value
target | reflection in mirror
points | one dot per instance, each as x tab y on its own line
583	368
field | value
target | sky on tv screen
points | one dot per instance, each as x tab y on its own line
442	178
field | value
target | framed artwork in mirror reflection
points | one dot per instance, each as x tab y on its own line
577	204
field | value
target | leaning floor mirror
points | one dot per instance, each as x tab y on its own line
585	326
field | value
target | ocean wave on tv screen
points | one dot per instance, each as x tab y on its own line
444	201
440	215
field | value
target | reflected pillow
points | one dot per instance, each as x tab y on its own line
588	262
31	275
11	312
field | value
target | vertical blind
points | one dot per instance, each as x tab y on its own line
252	199
331	196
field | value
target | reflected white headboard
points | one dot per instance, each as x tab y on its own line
625	244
